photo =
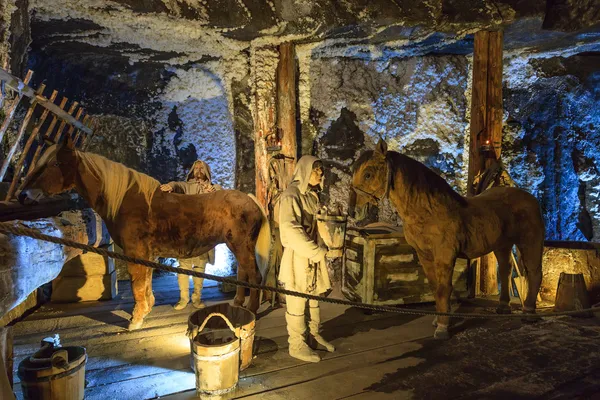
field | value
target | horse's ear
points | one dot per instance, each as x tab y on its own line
381	147
69	143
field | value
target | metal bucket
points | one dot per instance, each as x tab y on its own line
332	229
242	320
54	373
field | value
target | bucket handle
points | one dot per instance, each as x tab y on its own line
216	314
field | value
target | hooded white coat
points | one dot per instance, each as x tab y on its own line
303	266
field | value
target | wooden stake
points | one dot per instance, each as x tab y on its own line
78	135
60	131
13	107
32	137
72	128
48	134
88	139
15	145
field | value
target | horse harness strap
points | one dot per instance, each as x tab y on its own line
388	183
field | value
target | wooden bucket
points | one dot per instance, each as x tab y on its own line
242	320
571	294
216	355
54	373
332	229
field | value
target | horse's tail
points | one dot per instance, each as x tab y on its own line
263	242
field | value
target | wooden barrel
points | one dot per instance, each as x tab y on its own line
242	320
59	375
572	294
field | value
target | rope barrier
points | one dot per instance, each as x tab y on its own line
20	231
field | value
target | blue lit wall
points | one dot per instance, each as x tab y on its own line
552	139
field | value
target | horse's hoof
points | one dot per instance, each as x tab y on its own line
441	334
503	309
134	325
238	303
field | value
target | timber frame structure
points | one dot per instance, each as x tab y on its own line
74	123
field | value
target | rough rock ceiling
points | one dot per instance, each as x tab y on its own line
180	31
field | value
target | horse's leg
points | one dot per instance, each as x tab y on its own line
139	287
443	274
242	276
430	274
532	260
149	295
503	257
255	278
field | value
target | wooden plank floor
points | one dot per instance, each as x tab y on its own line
155	361
387	356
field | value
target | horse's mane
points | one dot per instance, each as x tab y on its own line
116	180
418	179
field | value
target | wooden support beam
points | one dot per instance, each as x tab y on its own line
286	106
32	136
11	111
485	133
263	64
22	130
16	84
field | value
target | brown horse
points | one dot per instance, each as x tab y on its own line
147	223
441	224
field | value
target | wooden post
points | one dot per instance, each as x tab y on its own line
286	105
25	152
263	63
485	133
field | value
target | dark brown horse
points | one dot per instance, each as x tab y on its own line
441	224
147	223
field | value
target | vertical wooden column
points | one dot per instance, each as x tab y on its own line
263	70
485	133
286	104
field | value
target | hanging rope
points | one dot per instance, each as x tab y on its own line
20	231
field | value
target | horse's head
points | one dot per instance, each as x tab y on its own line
369	180
54	173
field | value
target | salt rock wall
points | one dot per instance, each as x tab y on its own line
26	264
551	139
418	105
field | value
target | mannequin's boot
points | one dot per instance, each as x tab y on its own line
314	325
296	327
197	294
184	292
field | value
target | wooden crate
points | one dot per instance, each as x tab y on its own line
379	267
86	277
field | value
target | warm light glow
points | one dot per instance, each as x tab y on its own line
180	343
487	142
